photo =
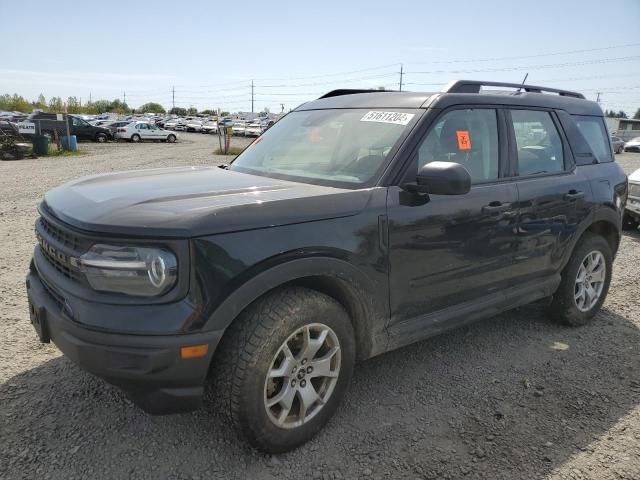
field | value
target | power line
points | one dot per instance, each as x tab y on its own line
533	67
519	57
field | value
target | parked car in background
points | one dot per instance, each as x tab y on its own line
632	145
632	208
83	130
194	126
114	125
255	129
210	127
239	127
181	125
171	124
138	131
618	144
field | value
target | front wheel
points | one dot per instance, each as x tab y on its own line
135	138
284	366
585	282
101	138
171	138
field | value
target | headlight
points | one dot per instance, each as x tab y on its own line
139	271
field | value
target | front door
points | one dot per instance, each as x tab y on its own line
448	250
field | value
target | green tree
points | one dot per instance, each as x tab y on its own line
152	107
208	112
192	110
41	103
224	114
55	104
621	114
118	106
637	115
73	105
178	111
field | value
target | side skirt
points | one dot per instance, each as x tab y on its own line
425	326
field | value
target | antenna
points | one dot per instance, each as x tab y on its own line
523	81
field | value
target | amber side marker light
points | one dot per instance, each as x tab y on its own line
194	351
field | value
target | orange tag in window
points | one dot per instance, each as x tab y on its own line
464	140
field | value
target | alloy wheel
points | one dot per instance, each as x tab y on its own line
590	281
302	375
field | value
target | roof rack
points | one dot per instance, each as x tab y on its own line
348	91
473	86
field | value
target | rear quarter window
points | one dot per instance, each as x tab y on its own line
595	133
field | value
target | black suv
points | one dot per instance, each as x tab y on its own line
359	223
83	130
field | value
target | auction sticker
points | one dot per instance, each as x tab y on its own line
397	118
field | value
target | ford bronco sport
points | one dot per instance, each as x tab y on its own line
360	222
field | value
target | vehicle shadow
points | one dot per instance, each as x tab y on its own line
515	396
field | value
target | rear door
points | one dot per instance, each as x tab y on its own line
554	196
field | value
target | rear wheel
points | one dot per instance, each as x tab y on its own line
135	138
101	138
284	366
585	282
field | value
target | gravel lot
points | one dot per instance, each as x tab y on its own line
513	397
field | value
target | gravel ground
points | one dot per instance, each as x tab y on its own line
513	397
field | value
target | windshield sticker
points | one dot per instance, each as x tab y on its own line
464	140
397	118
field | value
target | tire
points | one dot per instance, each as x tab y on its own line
564	306
254	345
135	138
629	223
101	138
171	138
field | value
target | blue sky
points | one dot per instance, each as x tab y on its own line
295	51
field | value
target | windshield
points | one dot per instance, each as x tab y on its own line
347	146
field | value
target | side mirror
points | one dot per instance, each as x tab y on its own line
442	178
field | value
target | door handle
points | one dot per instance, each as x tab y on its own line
496	207
573	195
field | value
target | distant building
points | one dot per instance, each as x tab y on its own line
625	128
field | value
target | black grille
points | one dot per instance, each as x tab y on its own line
58	245
634	190
59	235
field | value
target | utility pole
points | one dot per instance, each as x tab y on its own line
251	96
282	107
89	97
173	97
124	97
401	72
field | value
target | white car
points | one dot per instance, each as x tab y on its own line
171	124
194	126
138	131
239	127
254	129
632	145
210	127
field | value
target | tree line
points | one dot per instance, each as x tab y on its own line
17	103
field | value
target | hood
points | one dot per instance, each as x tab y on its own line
635	176
194	201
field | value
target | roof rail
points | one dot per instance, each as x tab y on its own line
348	91
473	86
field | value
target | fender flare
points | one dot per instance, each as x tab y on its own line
605	214
373	311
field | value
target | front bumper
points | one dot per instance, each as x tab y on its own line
148	368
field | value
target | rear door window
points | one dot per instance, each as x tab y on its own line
538	142
595	133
